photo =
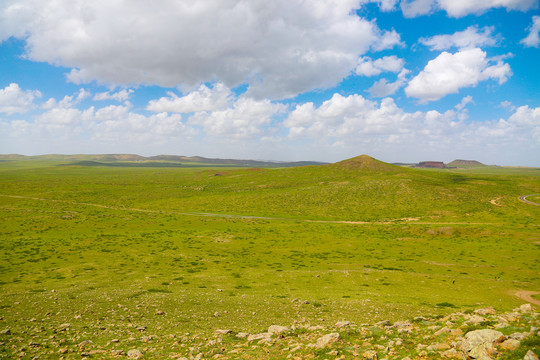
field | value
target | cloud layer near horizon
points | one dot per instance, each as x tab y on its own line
340	124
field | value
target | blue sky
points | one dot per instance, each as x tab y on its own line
402	81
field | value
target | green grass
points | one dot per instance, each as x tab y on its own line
111	246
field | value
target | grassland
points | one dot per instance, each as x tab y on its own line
108	249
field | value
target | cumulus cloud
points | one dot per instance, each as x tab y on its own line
15	100
448	73
459	8
533	40
108	124
368	67
387	5
281	48
122	95
347	118
468	38
246	119
413	8
204	99
357	125
382	88
68	101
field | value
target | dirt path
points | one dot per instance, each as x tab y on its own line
392	221
524	199
494	201
527	296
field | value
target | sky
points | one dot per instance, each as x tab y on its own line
289	80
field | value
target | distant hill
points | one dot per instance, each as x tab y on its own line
465	163
366	163
133	160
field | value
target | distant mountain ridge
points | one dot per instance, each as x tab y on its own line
81	158
465	163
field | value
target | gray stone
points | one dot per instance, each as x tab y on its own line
278	329
261	336
327	339
479	344
530	356
134	354
341	324
510	344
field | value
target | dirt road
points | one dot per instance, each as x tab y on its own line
524	199
527	296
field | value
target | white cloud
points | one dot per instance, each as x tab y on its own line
116	124
68	101
387	5
464	102
355	125
468	38
246	119
368	67
383	88
122	95
347	118
15	100
448	73
533	40
459	8
281	47
204	99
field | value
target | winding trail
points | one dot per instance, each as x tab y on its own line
524	199
232	216
527	296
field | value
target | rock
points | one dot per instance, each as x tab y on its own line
443	330
118	352
438	347
134	354
525	308
474	319
242	335
84	343
327	339
115	340
64	327
479	344
261	336
486	311
518	336
383	323
510	344
370	355
222	331
277	329
530	356
341	324
160	312
63	351
141	328
450	354
5	332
